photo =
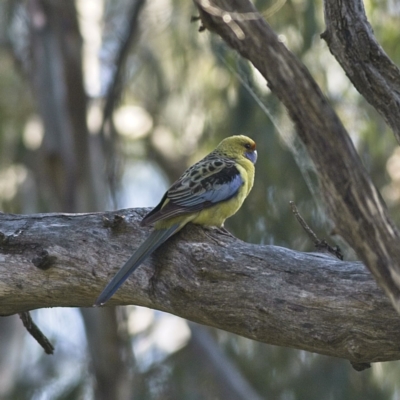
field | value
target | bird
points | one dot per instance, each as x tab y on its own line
207	193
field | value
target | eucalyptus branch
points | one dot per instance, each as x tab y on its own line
309	301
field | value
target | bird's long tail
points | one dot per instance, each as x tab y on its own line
156	239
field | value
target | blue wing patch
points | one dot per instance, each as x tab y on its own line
210	181
213	192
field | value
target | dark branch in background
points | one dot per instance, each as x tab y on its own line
49	83
228	376
308	301
61	166
351	199
112	361
351	40
107	131
36	332
115	88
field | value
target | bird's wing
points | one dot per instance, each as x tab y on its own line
210	181
155	240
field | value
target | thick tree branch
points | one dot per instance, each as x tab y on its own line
352	201
351	40
307	301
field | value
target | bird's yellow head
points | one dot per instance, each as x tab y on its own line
238	146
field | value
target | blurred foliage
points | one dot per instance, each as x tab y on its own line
195	91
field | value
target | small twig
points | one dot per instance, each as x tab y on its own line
36	332
303	223
321	245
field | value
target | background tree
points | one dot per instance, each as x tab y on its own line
153	103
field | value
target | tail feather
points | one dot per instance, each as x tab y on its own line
156	239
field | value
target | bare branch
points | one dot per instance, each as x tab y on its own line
36	333
107	132
116	85
351	40
309	301
321	245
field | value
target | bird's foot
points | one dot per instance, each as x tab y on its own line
220	231
224	231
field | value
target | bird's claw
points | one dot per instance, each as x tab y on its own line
220	231
225	232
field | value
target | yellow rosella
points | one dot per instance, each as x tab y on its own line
206	194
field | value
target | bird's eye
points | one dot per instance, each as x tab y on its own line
248	146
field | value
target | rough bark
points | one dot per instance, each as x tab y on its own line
351	199
308	301
351	40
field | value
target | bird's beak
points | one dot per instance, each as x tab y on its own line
252	156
